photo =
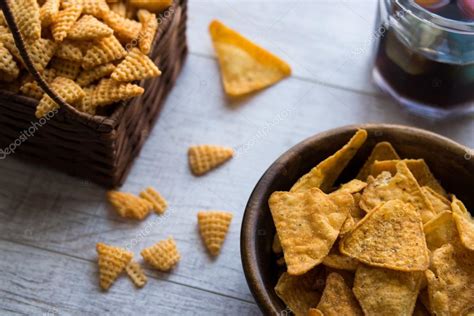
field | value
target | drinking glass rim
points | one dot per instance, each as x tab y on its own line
423	15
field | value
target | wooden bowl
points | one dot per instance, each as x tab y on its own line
450	162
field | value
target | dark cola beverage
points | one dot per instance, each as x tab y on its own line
427	67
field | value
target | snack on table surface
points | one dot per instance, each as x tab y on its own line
204	158
112	261
386	245
213	227
154	197
245	67
136	273
163	255
129	205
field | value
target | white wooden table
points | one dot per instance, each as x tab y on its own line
50	222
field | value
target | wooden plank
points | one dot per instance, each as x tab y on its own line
325	41
46	209
52	284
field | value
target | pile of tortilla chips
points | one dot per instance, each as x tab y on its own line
390	242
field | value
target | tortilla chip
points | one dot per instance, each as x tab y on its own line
465	226
308	224
315	312
451	281
299	293
245	67
357	213
418	168
353	186
386	292
337	298
344	201
390	236
382	151
457	206
440	230
438	201
336	260
326	172
401	186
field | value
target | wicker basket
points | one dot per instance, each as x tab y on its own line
96	148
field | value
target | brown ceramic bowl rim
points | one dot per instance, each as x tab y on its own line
249	222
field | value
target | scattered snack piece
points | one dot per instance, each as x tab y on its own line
451	281
104	50
245	67
382	151
135	66
95	7
390	236
326	172
299	293
69	51
163	255
440	230
204	158
109	91
129	205
402	186
48	12
66	18
124	28
112	261
89	28
148	31
136	273
213	226
438	201
9	70
27	18
86	77
386	292
338	299
155	198
307	224
66	89
418	168
151	5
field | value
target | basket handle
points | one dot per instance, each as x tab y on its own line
27	60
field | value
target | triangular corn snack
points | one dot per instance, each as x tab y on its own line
96	8
86	77
104	50
66	88
151	5
9	70
65	19
86	105
31	88
135	66
148	31
69	51
27	18
308	224
129	205
48	12
125	29
338	299
163	255
66	68
213	226
109	91
390	236
402	186
155	198
112	261
204	158
136	273
89	28
327	171
245	67
381	151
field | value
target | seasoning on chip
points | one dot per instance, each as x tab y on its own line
245	67
338	299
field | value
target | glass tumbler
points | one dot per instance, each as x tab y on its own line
424	55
